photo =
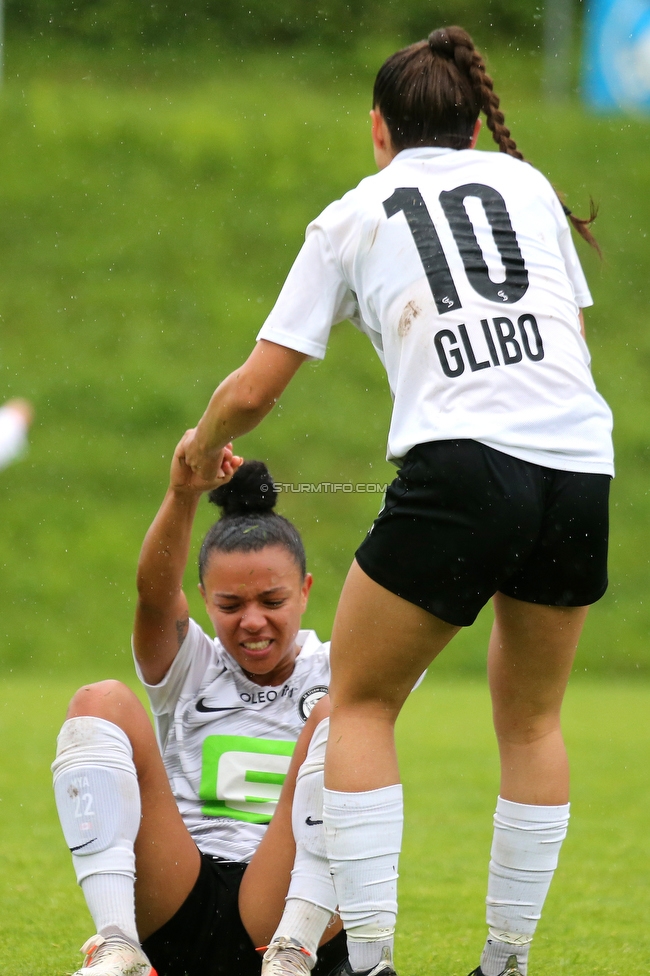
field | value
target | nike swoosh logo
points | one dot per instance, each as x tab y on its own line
312	823
202	707
79	846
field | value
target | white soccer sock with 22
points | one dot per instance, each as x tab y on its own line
525	852
98	801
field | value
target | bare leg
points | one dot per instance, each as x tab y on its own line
167	859
530	656
381	644
531	652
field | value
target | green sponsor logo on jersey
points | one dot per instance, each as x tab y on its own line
241	777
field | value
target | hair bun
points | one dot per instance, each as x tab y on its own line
250	490
440	42
445	40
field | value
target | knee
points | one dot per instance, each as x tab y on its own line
319	712
111	700
525	730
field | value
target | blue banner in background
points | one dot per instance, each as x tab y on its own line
616	66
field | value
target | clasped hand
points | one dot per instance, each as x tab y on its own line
193	471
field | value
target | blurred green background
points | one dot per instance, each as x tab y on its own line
155	183
330	23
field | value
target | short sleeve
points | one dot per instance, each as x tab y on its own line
574	269
314	297
187	669
568	251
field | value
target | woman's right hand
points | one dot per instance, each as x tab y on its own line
183	478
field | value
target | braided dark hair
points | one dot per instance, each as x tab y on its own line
432	92
248	522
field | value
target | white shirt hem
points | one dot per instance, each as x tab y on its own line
549	459
313	349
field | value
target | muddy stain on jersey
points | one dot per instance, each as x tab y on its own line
411	311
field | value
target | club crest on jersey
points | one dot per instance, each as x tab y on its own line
309	699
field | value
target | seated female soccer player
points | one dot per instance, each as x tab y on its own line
184	858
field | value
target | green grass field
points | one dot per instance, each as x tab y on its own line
149	210
595	923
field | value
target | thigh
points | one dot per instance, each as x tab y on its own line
530	656
167	860
381	644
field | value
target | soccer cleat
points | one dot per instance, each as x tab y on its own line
383	968
113	956
286	957
512	968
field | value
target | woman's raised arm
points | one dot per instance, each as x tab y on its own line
161	616
240	402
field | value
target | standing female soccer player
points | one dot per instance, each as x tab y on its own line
195	823
459	266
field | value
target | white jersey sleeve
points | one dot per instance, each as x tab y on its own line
574	270
315	297
187	669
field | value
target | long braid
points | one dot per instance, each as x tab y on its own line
490	102
456	44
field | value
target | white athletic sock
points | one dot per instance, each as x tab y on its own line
311	899
525	851
305	923
98	801
110	901
363	833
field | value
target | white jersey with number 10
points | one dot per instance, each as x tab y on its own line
459	266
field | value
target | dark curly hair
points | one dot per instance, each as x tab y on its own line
248	522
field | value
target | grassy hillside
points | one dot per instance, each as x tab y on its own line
149	211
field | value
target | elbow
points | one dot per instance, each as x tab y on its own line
149	599
143	587
252	400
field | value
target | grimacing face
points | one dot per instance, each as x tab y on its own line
255	601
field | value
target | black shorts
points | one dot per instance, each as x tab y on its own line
206	936
462	521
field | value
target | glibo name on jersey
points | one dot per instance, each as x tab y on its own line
501	342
